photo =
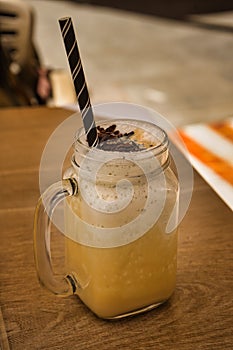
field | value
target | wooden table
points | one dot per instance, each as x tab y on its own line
198	316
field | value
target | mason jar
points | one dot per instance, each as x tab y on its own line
121	214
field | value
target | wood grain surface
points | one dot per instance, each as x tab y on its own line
199	315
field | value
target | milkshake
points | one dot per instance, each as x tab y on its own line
120	255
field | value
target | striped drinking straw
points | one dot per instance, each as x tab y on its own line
78	78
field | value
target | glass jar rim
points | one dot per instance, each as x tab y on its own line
151	160
156	149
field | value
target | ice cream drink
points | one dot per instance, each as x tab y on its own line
120	228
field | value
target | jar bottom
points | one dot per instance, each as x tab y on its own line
135	312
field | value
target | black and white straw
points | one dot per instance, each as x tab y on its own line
78	78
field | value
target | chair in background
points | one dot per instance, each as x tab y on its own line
16	30
29	75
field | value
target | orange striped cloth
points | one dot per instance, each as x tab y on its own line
211	153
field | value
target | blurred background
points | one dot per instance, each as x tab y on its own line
172	56
167	8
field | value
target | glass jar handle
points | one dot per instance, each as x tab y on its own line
66	285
